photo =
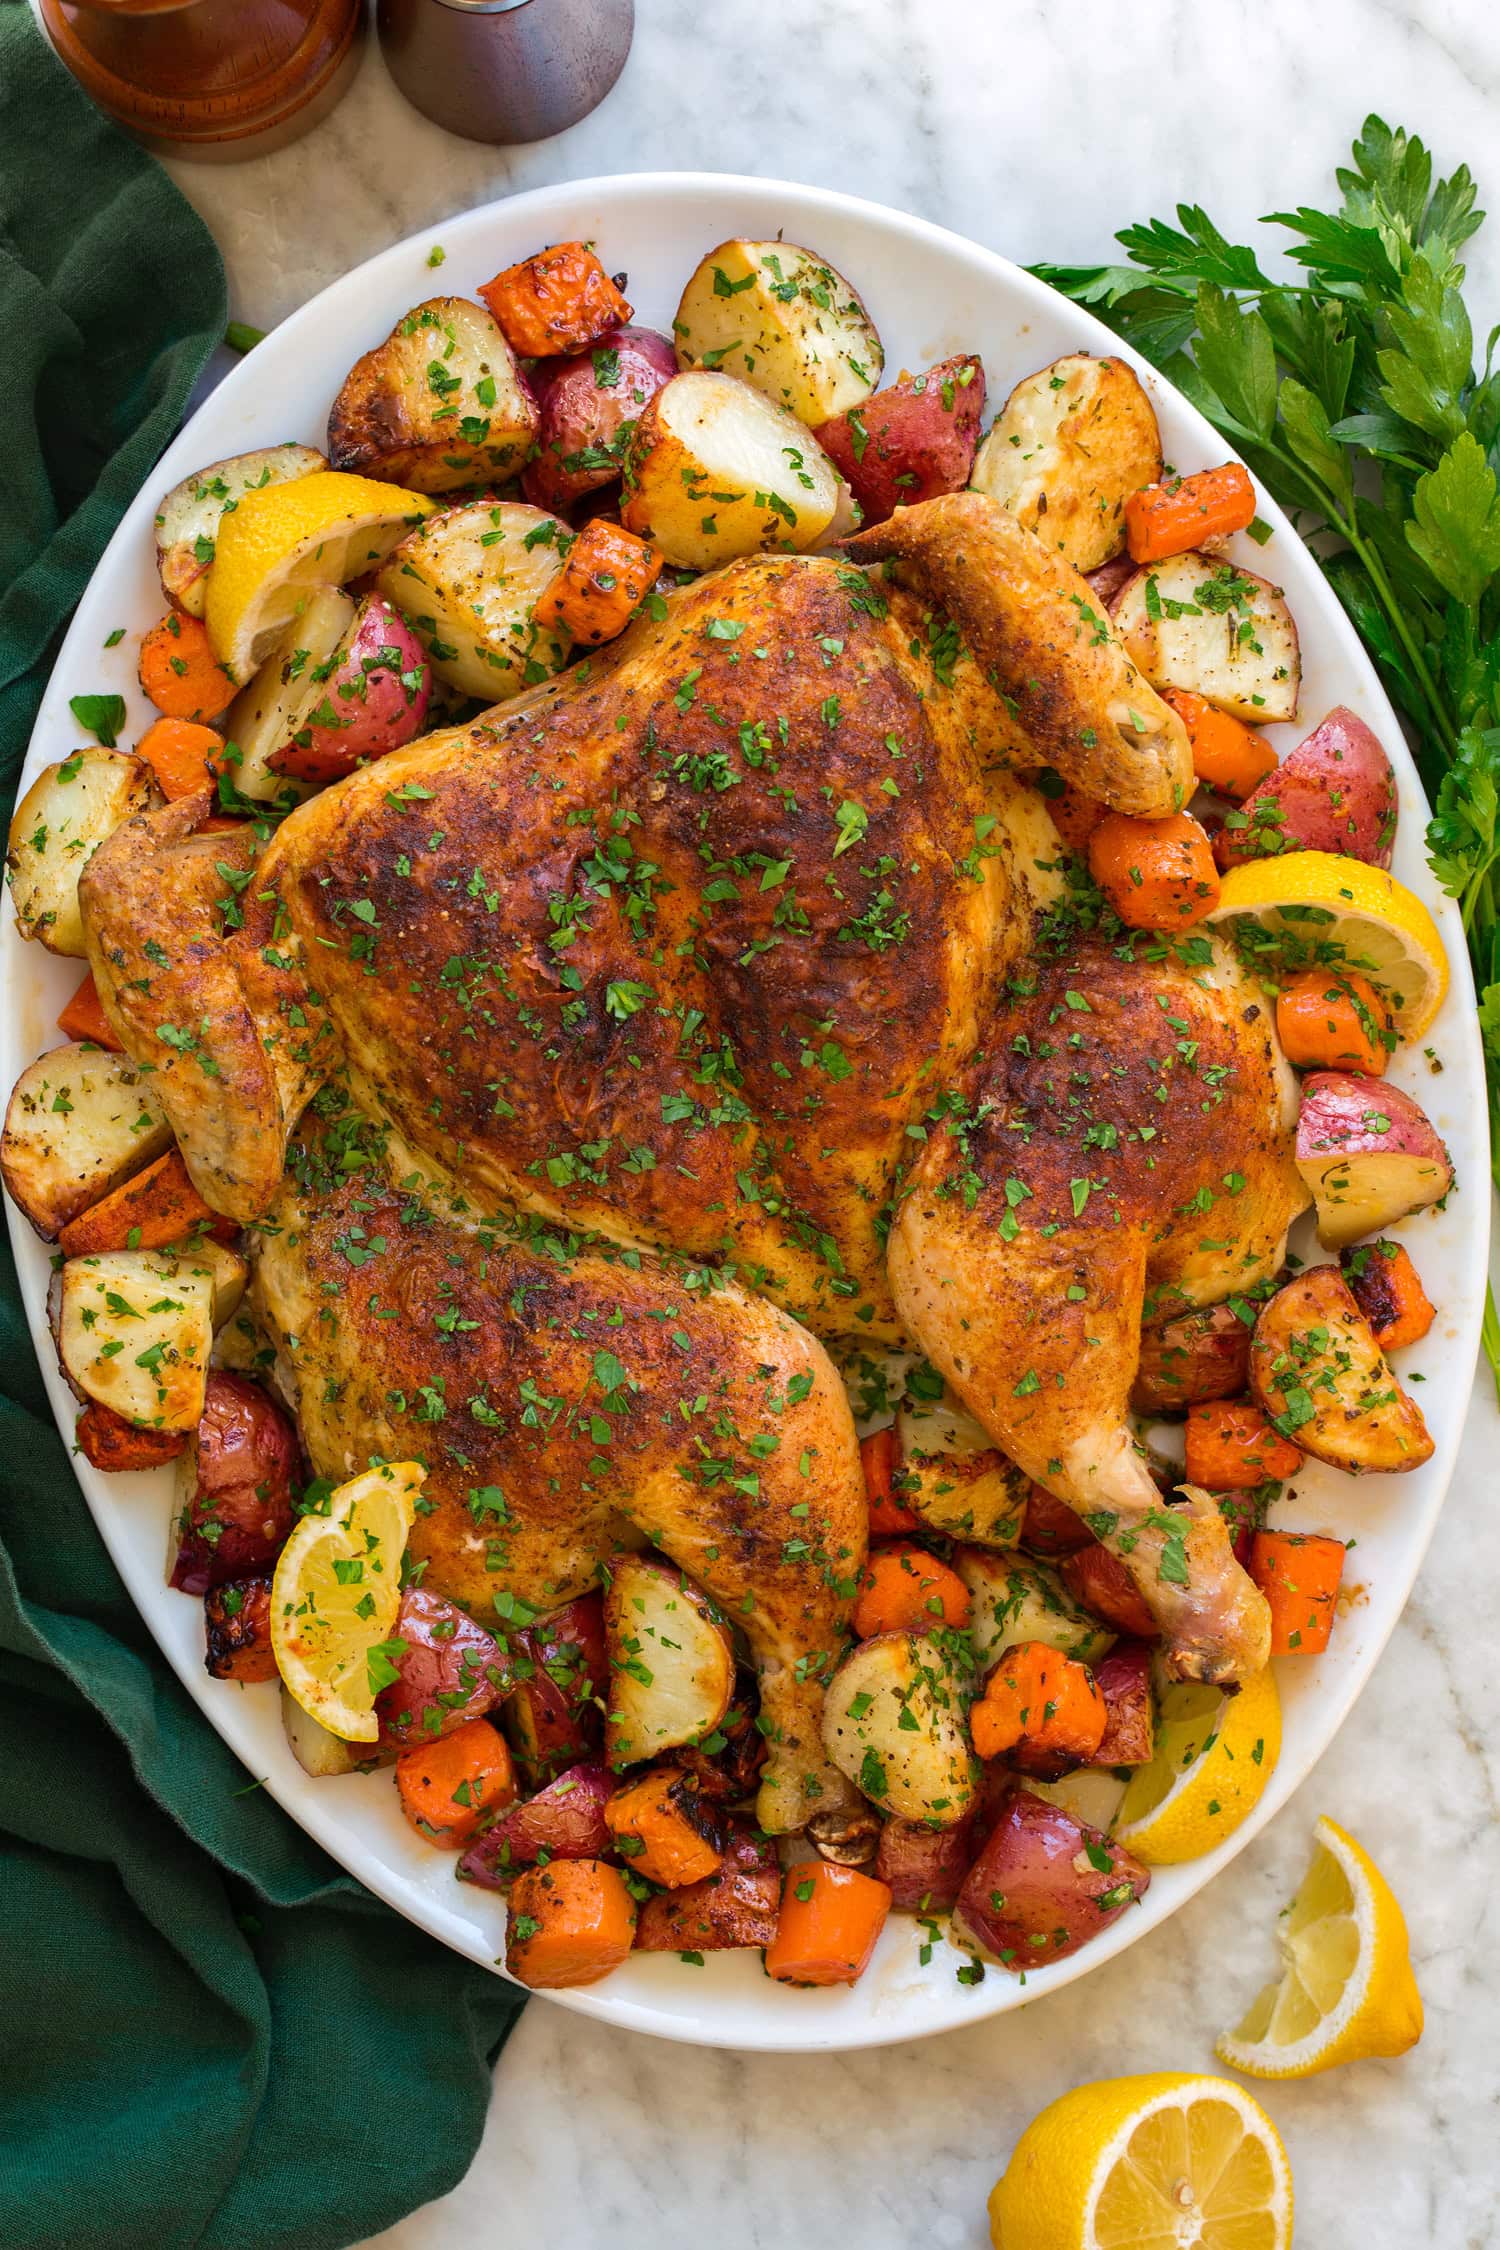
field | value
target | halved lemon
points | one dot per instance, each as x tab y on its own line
1171	2160
335	1597
1316	910
1346	1990
1214	1755
282	541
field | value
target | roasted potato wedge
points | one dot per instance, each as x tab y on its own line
1067	449
67	813
716	470
1370	1154
1336	792
80	1121
235	1501
671	1660
187	522
1017	1599
782	319
589	405
1044	1884
440	404
467	582
1195	1356
955	1478
321	1755
1318	1372
1200	623
893	1724
266	715
135	1329
563	1821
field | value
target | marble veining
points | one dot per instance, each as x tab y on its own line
1037	129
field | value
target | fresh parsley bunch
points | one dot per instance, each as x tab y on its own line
1354	396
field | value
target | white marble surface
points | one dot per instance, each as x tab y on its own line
1037	129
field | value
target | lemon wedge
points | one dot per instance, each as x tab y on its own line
1346	1990
280	542
335	1598
1159	2162
1315	910
1214	1755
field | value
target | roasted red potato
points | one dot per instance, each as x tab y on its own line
1369	1154
109	1442
912	441
237	1626
236	1503
451	1670
1123	1678
1043	1885
1336	792
1197	1356
589	406
1388	1290
554	1715
923	1867
1050	1527
1101	1582
735	1908
563	1821
558	302
1317	1370
727	1765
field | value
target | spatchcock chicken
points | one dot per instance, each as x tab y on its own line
689	1016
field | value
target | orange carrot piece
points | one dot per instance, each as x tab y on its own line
1231	1447
1299	1574
1388	1291
181	754
1227	755
180	672
1169	518
609	571
906	1590
571	1922
830	1920
84	1018
664	1829
157	1206
1074	816
559	301
110	1442
1156	874
237	1630
1037	1696
1335	1020
448	1785
879	1457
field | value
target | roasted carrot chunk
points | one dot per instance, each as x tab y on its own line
830	1920
1043	1705
237	1630
158	1206
1231	1446
180	672
1227	755
880	1457
1388	1291
84	1018
110	1442
665	1829
181	754
1182	512
1299	1574
559	301
608	573
1074	816
1156	874
571	1922
906	1590
1098	1579
1335	1020
448	1785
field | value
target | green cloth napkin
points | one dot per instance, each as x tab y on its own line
210	2037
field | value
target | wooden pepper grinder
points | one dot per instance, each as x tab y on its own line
210	78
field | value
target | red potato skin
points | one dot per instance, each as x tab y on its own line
237	1630
1110	577
1051	1528
565	1820
1336	792
553	1717
729	1775
1123	1678
242	1510
579	446
736	1908
451	1670
1101	1582
1052	1897
1198	1356
912	441
925	1867
370	707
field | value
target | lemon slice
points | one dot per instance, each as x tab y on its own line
1315	910
1346	1990
282	541
1165	2161
1214	1755
335	1597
